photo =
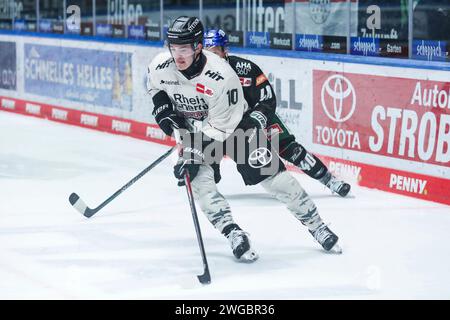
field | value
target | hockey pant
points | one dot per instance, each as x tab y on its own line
283	186
211	201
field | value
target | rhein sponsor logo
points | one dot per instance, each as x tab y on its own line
89	120
192	107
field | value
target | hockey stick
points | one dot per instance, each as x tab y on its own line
205	278
81	206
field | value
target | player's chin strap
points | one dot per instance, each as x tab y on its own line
205	278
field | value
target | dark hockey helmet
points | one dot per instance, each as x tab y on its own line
185	30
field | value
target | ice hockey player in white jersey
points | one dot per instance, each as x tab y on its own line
199	94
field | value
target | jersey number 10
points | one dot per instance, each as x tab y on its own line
232	96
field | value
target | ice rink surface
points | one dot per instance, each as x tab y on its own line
143	244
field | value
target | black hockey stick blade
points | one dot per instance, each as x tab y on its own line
205	278
80	205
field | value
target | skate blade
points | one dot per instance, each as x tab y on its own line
249	257
349	195
336	249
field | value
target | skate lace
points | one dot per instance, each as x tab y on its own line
335	184
237	237
322	233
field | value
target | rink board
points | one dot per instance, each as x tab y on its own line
382	127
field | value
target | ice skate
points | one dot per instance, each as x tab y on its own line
335	185
326	238
240	243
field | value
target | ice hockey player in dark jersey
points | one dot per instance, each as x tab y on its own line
261	100
197	92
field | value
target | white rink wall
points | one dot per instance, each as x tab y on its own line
385	127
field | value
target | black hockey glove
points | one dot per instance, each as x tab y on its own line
254	119
190	161
165	115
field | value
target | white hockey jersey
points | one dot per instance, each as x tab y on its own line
212	102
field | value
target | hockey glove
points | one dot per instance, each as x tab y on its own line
165	115
256	119
190	161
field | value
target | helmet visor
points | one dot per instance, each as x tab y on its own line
181	50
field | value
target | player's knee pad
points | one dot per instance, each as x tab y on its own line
211	201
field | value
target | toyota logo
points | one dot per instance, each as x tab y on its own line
259	158
338	98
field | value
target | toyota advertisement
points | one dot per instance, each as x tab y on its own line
388	116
